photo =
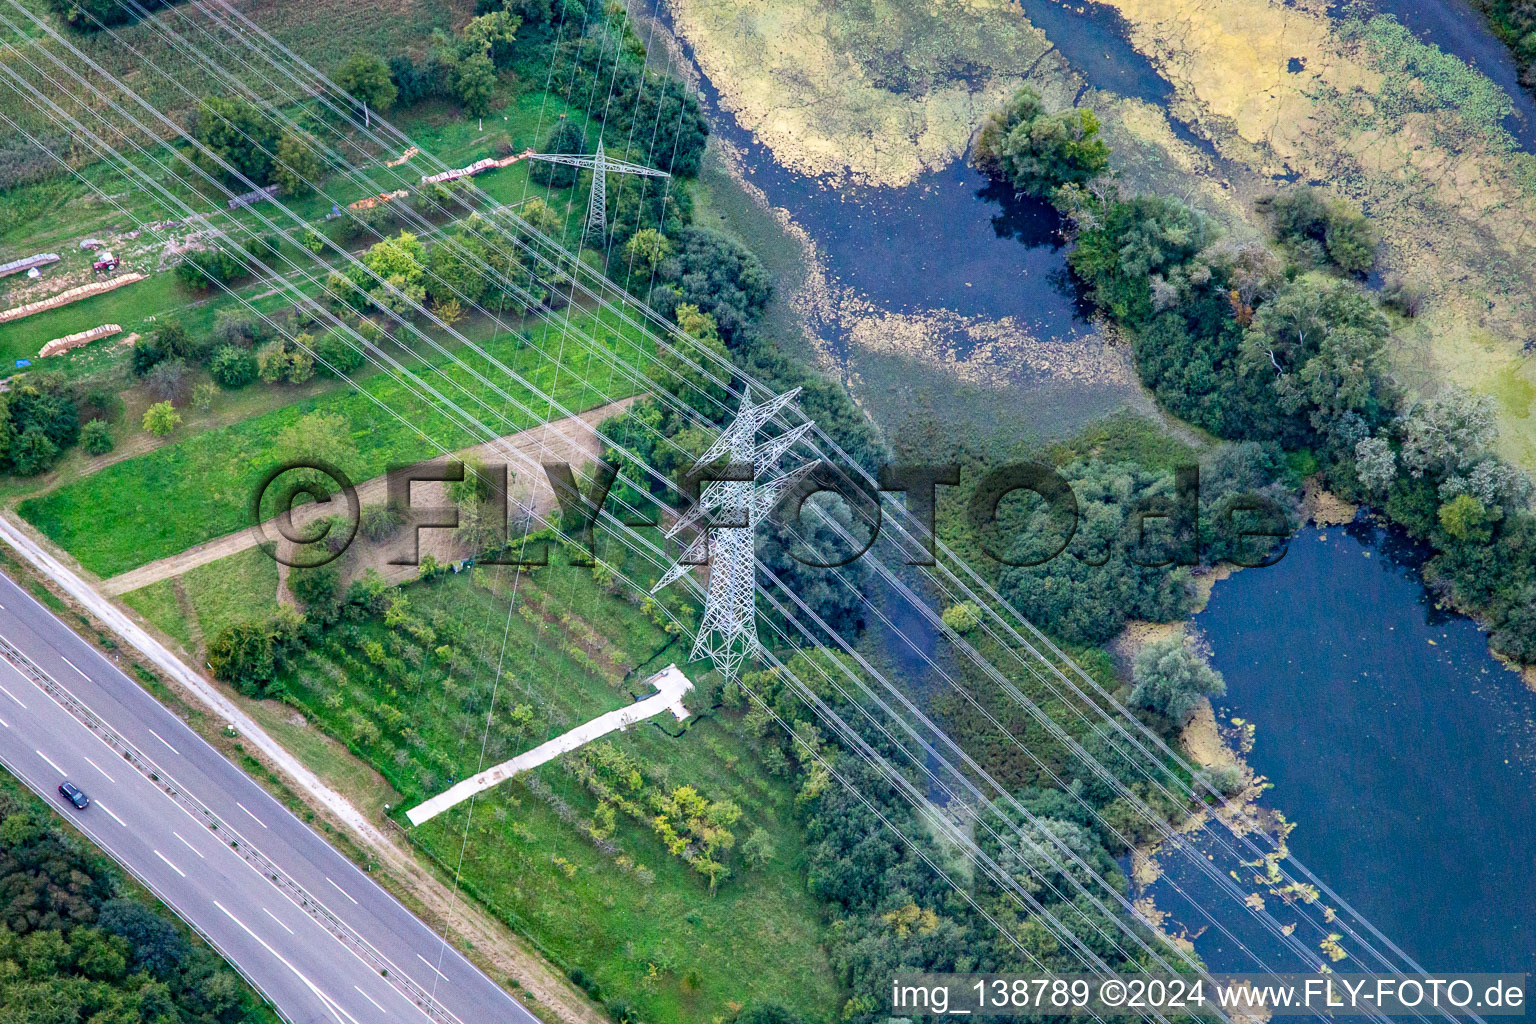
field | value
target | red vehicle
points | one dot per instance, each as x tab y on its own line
105	262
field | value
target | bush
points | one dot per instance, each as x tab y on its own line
1037	152
203	269
167	380
232	367
338	355
1171	680
33	452
161	418
96	438
1313	226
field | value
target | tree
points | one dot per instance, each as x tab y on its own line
96	437
758	849
204	269
161	418
232	367
1139	238
568	138
1465	519
323	436
366	77
1041	858
337	354
1447	434
167	380
285	360
403	256
1038	152
1316	229
719	276
318	590
298	164
174	340
648	247
1170	679
33	452
962	617
235	133
536	211
244	653
472	81
1375	464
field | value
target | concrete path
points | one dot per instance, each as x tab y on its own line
670	685
543	443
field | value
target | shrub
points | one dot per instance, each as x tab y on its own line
167	380
33	452
203	269
96	438
203	395
232	367
161	418
1038	152
1171	679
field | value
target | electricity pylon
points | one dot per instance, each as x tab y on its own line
728	632
601	167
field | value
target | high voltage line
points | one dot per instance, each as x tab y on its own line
1016	656
1065	934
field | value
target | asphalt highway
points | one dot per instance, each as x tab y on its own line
273	932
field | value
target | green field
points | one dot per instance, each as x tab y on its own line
421	703
174	497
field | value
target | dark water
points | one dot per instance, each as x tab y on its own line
950	240
1403	750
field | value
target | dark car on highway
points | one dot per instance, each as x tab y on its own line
73	794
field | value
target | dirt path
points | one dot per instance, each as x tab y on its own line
543	443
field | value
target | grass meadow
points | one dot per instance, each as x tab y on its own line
640	925
167	500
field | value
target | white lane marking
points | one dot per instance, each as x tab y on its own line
98	767
341	890
274	917
162	740
188	845
75	667
115	818
330	1004
253	817
173	867
5	723
11	695
370	998
45	757
434	970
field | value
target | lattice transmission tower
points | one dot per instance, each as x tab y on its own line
726	519
601	166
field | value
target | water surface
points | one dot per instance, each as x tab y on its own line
1404	752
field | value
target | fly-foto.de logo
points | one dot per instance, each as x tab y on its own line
309	512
